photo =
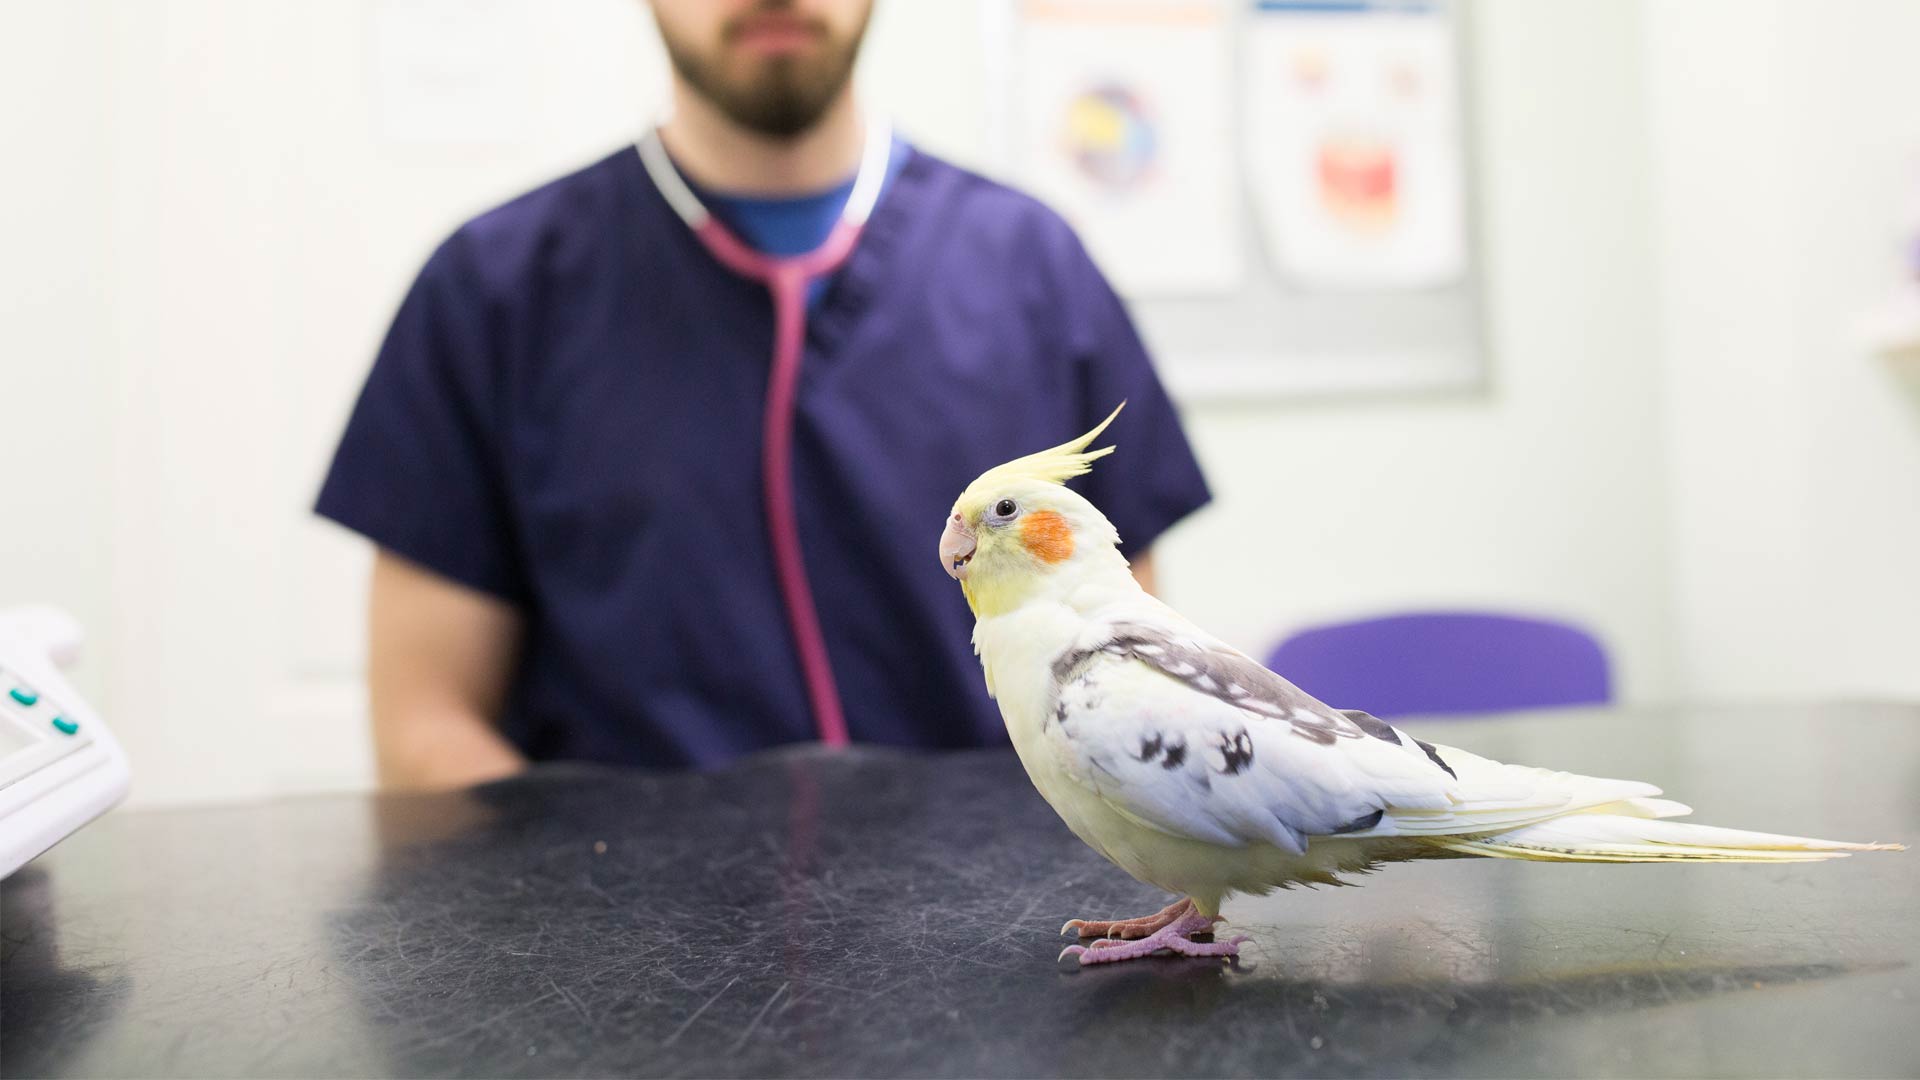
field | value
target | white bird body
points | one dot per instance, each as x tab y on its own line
1183	839
1195	769
1018	650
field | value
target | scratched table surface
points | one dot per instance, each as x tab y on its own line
879	913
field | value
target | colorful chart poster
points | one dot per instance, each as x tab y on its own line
1353	143
1125	127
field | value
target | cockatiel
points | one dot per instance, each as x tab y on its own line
1197	770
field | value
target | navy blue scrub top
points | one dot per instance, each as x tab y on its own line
566	414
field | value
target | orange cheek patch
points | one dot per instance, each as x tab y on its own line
1047	535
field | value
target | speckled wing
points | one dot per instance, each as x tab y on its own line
1182	734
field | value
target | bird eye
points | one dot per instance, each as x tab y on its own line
1003	508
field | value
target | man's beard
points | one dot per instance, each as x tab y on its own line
785	96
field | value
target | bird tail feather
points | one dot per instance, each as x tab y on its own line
1632	831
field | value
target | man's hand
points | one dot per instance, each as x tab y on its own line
439	659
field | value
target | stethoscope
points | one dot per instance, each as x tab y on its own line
788	279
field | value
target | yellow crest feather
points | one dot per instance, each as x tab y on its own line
1056	465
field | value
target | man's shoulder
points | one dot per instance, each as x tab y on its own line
986	208
563	222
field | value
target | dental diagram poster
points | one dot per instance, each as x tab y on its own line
1124	124
1353	145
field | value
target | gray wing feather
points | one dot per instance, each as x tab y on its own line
1232	677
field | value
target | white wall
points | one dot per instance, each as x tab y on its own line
224	210
1786	139
56	382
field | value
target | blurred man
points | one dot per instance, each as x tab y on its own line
654	455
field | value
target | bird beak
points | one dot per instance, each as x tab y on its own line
956	548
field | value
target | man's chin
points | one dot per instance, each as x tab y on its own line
780	107
779	96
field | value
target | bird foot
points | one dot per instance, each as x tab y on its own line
1176	935
1129	928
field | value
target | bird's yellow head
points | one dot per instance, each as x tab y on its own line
1018	525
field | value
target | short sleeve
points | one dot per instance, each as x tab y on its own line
1153	480
419	469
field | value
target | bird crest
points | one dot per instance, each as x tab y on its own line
1052	466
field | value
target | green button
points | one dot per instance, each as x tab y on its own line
66	726
23	695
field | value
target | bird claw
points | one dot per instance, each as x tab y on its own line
1099	944
1177	937
1129	929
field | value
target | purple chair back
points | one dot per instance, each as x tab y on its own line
1446	662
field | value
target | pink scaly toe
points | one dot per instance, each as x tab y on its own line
1129	928
1176	936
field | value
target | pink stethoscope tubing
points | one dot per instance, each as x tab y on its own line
787	278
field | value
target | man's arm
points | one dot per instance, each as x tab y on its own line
439	659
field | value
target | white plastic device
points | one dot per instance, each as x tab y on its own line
59	765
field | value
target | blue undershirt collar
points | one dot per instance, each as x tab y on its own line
794	225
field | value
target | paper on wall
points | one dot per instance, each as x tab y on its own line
1125	128
451	72
1353	144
